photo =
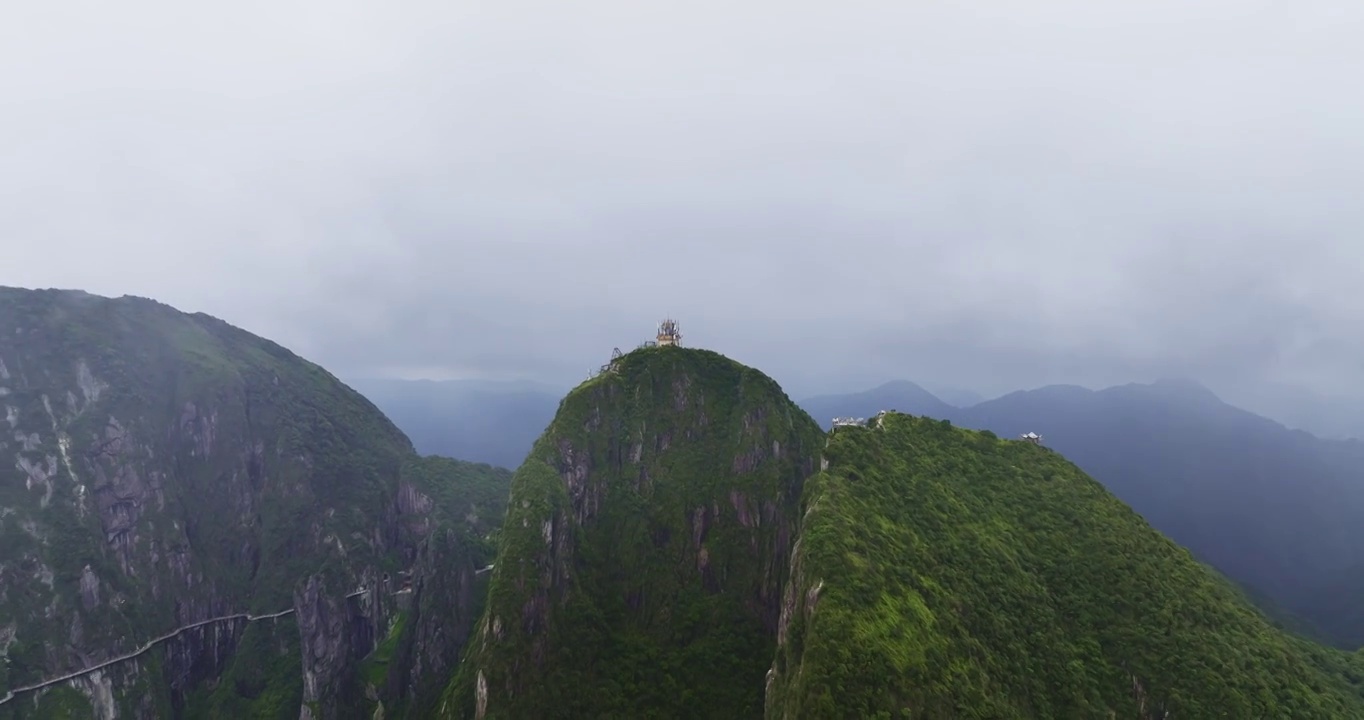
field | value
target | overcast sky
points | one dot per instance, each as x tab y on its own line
989	194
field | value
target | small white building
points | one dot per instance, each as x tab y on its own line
1031	437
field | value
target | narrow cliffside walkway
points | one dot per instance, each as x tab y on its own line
151	644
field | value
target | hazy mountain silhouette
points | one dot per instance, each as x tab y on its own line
474	420
900	395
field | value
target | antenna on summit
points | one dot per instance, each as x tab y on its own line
669	333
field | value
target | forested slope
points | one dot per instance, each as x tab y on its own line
645	548
163	468
943	572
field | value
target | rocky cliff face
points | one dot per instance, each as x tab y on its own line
435	622
158	469
645	547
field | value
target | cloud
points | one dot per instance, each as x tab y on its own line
987	194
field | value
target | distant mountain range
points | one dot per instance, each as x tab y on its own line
1276	509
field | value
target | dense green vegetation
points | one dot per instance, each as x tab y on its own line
469	496
944	572
162	467
645	546
62	703
262	679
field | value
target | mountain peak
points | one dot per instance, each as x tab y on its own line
645	549
900	395
1187	387
1174	392
205	474
901	386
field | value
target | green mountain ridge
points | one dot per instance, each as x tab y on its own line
161	468
933	572
682	541
1276	510
944	572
